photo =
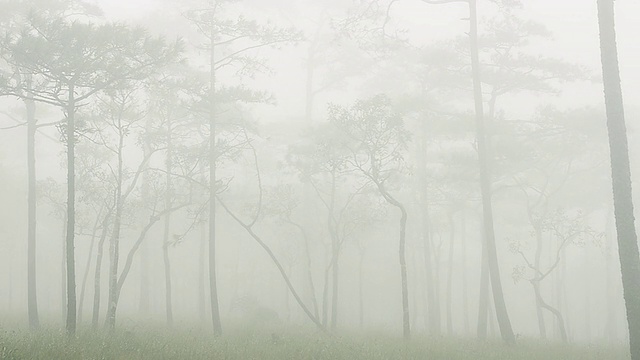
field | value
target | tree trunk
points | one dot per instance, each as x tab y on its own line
312	288
144	303
213	283
463	256
360	290
406	327
97	277
483	302
406	324
450	277
540	316
88	265
63	270
114	241
32	297
552	310
536	284
620	174
167	279
277	263
167	228
433	303
71	214
485	184
201	266
334	290
325	296
114	257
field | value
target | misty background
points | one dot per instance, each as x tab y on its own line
295	167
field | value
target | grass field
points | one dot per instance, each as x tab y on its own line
264	345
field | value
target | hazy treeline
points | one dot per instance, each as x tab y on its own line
341	165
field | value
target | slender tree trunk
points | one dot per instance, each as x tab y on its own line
277	263
201	265
485	184
312	289
540	316
536	284
433	303
144	303
71	214
167	228
406	327
415	299
406	324
325	296
334	292
552	310
114	257
483	303
213	282
360	290
87	267
97	276
63	270
450	277
620	174
114	241
167	280
465	286
32	297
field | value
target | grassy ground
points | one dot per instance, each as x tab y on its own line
264	345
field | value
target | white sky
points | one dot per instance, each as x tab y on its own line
572	22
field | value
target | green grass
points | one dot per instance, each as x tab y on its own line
265	345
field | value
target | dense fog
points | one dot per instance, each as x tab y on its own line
403	167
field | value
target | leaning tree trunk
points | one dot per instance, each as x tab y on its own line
276	262
551	309
71	215
620	174
485	184
88	264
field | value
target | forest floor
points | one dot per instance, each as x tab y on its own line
266	345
